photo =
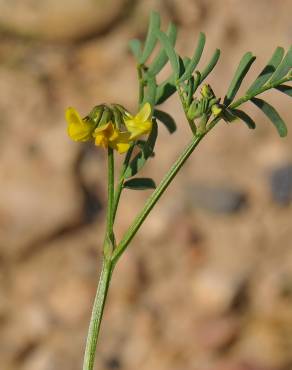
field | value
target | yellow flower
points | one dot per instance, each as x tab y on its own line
108	136
139	124
78	128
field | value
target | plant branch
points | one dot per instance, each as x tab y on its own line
154	197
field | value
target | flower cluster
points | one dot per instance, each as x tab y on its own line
112	127
207	105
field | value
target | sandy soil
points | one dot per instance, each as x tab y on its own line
207	282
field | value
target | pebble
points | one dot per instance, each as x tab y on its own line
217	199
60	20
281	184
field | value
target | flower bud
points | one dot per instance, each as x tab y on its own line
216	109
96	113
207	92
194	110
107	116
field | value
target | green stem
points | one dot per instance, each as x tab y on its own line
152	200
120	184
110	192
141	83
96	316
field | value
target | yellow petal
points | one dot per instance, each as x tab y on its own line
144	113
103	128
120	147
122	141
139	130
78	129
72	116
101	140
79	132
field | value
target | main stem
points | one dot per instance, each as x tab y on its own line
96	316
105	275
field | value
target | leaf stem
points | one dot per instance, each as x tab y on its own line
264	88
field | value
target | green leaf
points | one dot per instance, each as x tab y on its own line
228	115
172	56
272	114
283	68
210	66
161	59
151	39
285	89
146	152
150	93
195	59
165	89
135	46
268	71
166	119
241	71
140	183
244	117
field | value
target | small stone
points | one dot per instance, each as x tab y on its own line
217	199
217	333
281	184
59	20
214	292
112	363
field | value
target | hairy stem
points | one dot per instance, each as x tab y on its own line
96	316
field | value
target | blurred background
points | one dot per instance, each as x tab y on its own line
207	282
